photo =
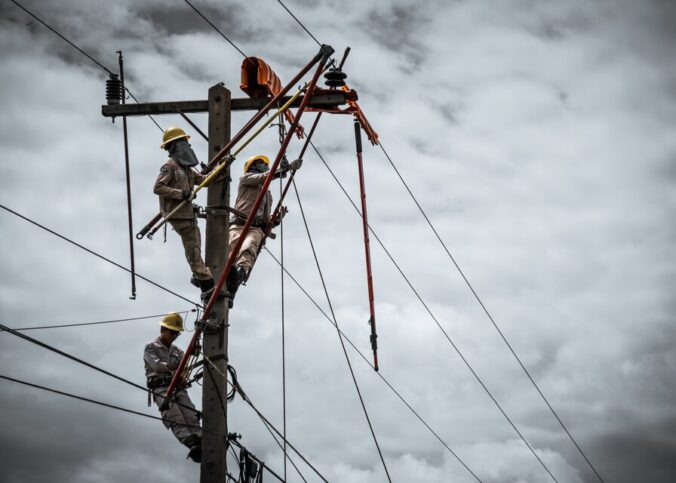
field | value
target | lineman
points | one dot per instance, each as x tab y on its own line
174	185
255	172
161	359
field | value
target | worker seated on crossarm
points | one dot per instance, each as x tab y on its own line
255	171
174	185
161	358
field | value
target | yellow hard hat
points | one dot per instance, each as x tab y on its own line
172	134
172	321
250	161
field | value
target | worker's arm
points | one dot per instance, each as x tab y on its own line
153	360
253	179
162	187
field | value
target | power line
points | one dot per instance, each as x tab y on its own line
234	386
299	22
126	410
470	286
84	363
63	37
215	28
246	399
82	324
72	44
93	401
340	337
379	373
97	254
488	314
429	311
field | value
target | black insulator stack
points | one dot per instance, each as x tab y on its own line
113	90
335	77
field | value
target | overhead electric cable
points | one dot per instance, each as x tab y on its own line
434	318
369	363
97	254
82	324
63	37
488	314
215	28
246	399
299	22
233	384
471	288
99	403
80	361
340	336
72	44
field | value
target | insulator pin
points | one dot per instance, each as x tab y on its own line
113	90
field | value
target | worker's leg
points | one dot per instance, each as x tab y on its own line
179	418
192	244
249	251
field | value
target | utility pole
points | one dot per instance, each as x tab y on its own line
215	344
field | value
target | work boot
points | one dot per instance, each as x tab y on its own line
236	277
195	281
207	287
194	444
195	454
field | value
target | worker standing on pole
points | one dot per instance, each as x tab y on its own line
174	185
161	358
255	171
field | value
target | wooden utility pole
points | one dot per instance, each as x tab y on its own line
215	344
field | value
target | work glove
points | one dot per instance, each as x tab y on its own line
295	164
186	195
284	165
278	219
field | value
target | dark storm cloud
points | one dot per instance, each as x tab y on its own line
542	166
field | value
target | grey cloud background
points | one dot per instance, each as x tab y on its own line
539	137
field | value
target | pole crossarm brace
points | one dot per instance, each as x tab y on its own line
323	100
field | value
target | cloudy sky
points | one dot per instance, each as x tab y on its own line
538	136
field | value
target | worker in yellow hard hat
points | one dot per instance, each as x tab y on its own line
255	171
174	185
161	358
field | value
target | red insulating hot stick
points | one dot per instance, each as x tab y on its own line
367	243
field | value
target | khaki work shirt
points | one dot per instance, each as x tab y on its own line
249	186
170	183
157	357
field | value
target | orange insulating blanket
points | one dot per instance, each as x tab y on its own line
259	80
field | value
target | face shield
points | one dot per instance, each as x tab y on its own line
258	166
182	153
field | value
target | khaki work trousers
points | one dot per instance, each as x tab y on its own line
179	417
192	244
249	251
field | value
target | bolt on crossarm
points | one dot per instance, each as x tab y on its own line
324	54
